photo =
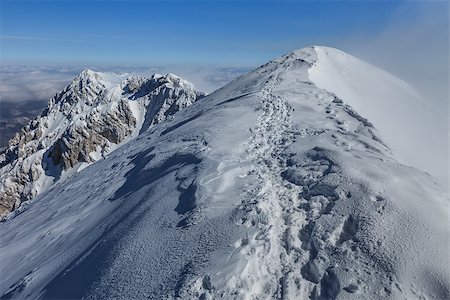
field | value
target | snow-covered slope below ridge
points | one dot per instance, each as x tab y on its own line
92	116
416	132
268	188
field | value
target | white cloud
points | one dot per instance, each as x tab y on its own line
18	83
204	78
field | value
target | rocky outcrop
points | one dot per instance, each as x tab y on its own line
79	141
91	117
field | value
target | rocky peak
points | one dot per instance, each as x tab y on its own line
93	115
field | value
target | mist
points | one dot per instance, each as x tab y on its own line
414	46
23	84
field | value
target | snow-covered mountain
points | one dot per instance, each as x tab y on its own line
268	188
92	116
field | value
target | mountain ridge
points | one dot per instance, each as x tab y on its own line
270	187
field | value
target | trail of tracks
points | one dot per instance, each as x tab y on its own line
283	260
288	254
274	204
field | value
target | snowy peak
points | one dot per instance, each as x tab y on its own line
307	54
87	76
88	85
177	82
138	86
93	115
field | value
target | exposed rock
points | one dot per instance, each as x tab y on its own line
91	117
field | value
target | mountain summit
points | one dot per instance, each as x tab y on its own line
269	188
92	116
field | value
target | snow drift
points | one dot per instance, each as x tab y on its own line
270	187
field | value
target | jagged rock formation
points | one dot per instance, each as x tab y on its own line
91	117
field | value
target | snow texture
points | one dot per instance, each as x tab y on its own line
268	188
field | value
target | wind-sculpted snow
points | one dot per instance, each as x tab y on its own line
94	115
405	120
269	188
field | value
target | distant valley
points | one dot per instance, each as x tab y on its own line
15	115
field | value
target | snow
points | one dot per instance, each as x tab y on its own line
415	131
138	110
268	188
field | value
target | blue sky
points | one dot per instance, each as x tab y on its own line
211	42
189	32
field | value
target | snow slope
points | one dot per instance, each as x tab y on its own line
417	133
269	188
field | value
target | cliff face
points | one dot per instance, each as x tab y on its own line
92	116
